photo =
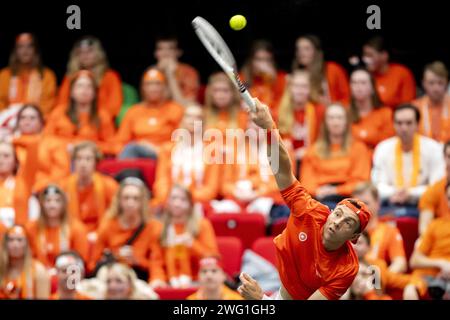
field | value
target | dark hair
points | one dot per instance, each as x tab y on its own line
29	106
366	236
87	145
407	106
378	43
37	61
247	69
166	37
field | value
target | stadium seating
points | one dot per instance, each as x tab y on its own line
266	249
409	228
114	166
247	227
278	227
174	294
230	249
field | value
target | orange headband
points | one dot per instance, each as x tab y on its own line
363	213
154	75
24	38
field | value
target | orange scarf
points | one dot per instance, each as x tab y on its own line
72	193
25	87
399	179
177	258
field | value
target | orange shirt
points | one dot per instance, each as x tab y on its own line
109	92
113	236
178	260
435	244
374	127
25	283
386	243
227	294
78	296
53	158
188	79
396	85
179	164
344	170
90	203
28	87
2	230
303	263
225	121
153	124
435	120
60	125
435	200
337	81
46	245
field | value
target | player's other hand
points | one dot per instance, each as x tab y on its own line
250	289
261	116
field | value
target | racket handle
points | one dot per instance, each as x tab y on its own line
249	100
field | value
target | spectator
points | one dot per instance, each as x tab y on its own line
53	159
404	165
386	242
371	122
335	163
128	232
395	82
374	279
434	106
81	118
149	124
299	118
185	162
261	75
21	276
183	80
70	271
431	256
16	183
212	282
329	80
90	193
186	238
26	80
222	104
55	231
88	54
433	202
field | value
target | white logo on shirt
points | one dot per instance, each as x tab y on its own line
302	236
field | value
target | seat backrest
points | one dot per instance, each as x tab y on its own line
146	166
174	294
409	229
278	227
247	227
266	248
231	250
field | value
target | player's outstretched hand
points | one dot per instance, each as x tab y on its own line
250	289
261	116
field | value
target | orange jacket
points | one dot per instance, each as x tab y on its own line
90	204
59	125
28	87
435	200
345	170
337	80
396	85
153	124
109	92
202	179
304	264
168	262
113	236
48	244
53	158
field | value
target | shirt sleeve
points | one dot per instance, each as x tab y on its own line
396	247
335	289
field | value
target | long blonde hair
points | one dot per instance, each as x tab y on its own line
323	143
193	222
211	110
102	64
4	257
286	109
374	98
316	69
115	210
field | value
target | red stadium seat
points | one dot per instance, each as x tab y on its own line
113	166
409	228
174	294
278	227
231	250
266	249
247	227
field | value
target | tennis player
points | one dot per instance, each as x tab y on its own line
316	260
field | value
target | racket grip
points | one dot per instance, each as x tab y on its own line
249	100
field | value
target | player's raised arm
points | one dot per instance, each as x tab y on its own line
278	157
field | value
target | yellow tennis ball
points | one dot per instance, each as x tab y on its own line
238	22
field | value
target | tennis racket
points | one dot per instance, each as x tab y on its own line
219	50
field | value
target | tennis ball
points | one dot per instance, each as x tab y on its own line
238	22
